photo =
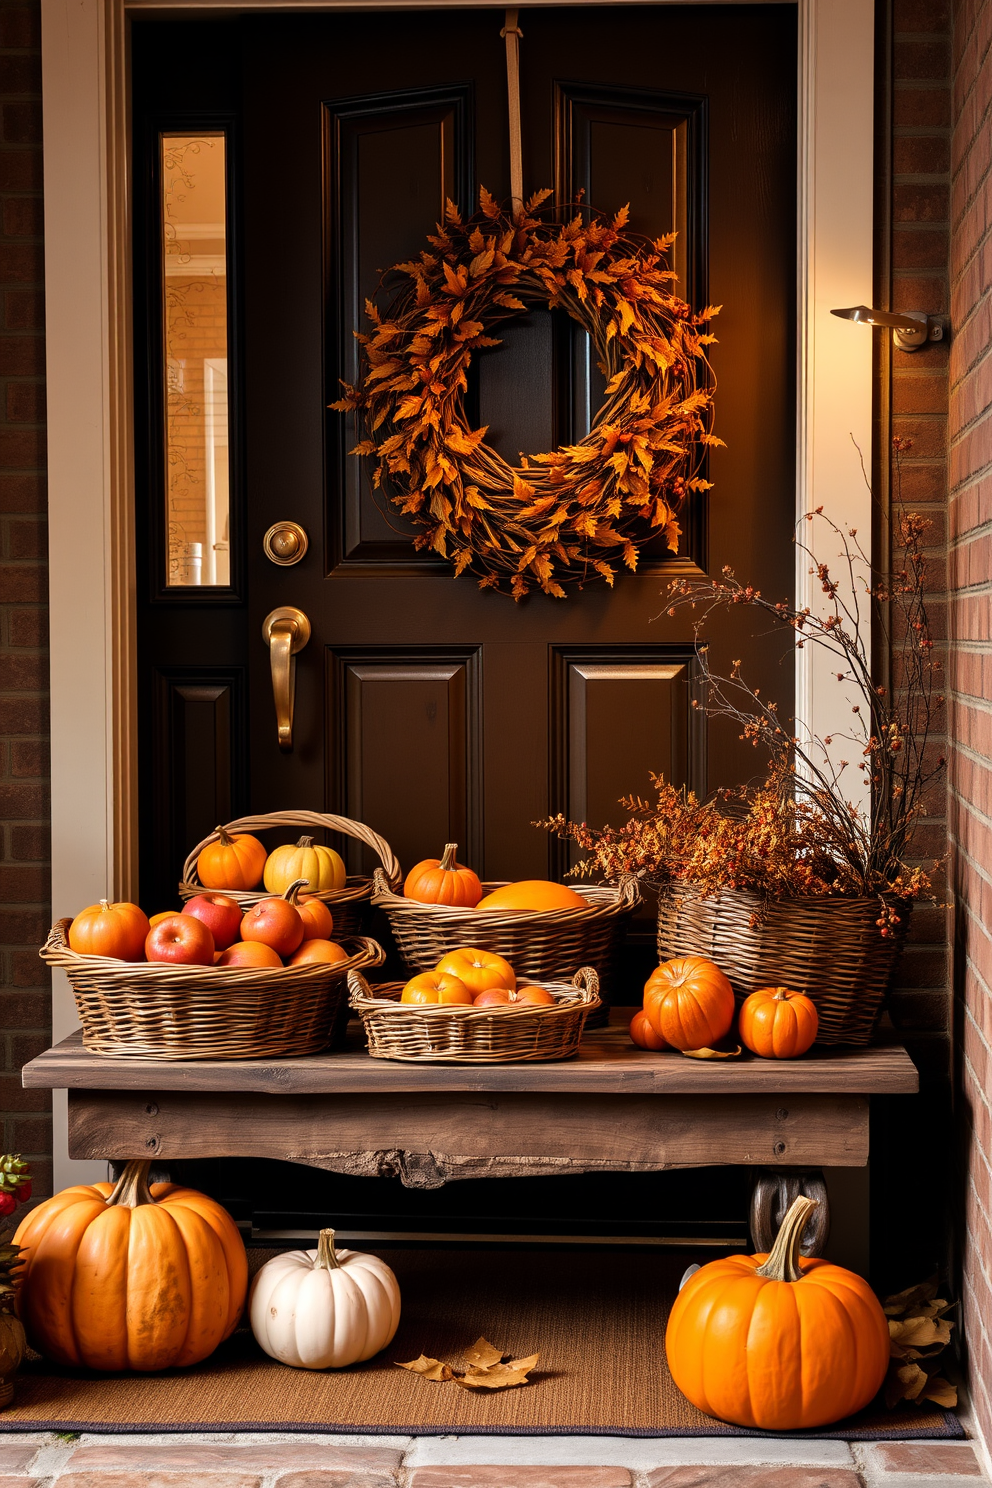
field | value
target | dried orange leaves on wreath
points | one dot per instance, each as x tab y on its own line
577	513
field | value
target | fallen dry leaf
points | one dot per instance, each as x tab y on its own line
712	1053
918	1330
486	1368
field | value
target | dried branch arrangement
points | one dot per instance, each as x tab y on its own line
799	833
579	512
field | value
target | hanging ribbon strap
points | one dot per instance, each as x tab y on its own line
513	33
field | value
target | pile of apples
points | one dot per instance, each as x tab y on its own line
471	977
213	930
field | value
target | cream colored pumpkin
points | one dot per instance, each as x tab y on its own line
323	1309
322	867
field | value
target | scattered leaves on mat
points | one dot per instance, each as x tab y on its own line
488	1368
918	1329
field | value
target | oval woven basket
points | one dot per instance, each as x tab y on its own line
150	1011
541	945
831	949
346	905
470	1035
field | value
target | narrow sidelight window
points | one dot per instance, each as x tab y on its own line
194	310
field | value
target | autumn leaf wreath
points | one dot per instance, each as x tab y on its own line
579	512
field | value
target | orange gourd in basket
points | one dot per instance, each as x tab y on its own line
533	894
432	987
232	862
778	1342
107	929
777	1023
321	868
443	881
130	1277
689	1002
478	970
642	1033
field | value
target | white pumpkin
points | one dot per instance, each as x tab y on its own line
323	1309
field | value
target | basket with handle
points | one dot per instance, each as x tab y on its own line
541	945
453	1034
149	1010
832	949
347	905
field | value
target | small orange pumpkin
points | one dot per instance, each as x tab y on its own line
533	894
689	1002
778	1342
643	1034
443	881
777	1023
435	987
107	929
234	861
478	970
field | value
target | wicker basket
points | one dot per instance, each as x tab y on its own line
470	1035
150	1011
541	945
347	905
831	949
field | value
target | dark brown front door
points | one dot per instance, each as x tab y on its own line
425	707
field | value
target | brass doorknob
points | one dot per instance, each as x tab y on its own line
285	632
285	543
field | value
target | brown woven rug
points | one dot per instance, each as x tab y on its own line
597	1319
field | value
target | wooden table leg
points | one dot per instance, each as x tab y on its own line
772	1193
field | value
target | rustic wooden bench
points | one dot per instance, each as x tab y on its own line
612	1108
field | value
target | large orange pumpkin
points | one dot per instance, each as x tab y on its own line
443	881
778	1342
130	1277
232	862
107	929
689	1002
777	1023
533	893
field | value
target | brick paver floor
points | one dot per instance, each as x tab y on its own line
280	1461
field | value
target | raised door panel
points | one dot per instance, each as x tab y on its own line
406	728
391	163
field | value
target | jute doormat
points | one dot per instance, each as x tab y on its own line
598	1321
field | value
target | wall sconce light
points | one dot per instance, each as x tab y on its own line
911	329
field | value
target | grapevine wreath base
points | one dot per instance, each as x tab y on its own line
584	509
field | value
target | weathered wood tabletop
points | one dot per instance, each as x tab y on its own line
613	1108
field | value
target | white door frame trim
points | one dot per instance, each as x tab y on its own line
91	485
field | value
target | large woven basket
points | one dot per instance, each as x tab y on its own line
151	1011
470	1035
831	949
347	905
541	945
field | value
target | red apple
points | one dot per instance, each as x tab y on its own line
494	997
221	915
274	922
181	940
249	955
318	950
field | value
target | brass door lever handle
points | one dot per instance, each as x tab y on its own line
285	632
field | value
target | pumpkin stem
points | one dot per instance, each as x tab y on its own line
781	994
131	1189
293	892
305	842
223	836
447	862
783	1259
104	904
326	1254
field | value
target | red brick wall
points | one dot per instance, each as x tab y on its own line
25	1017
970	525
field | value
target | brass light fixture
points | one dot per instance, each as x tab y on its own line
911	329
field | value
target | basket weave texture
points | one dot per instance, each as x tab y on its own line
347	904
151	1011
468	1035
541	945
830	949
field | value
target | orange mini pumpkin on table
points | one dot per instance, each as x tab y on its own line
777	1023
778	1342
689	1002
443	881
644	1034
234	861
